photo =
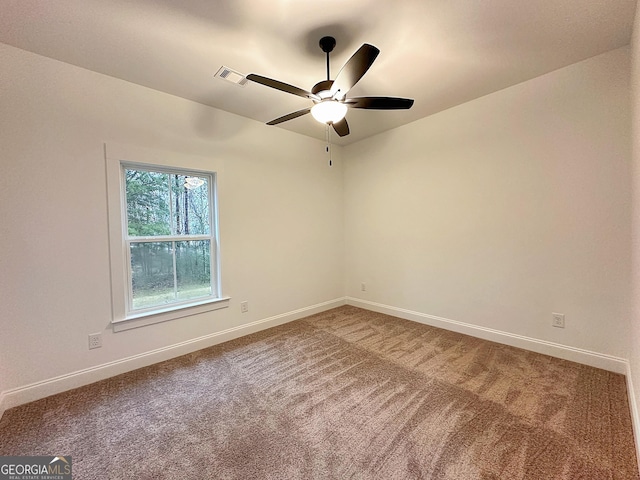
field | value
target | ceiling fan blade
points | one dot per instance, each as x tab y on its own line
353	70
284	87
380	103
341	127
290	116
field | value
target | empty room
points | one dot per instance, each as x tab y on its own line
317	240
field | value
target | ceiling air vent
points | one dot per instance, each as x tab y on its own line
231	76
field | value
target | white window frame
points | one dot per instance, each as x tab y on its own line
117	159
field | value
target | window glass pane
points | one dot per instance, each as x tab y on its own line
148	210
193	268
152	274
190	205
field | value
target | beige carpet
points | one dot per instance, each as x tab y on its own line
343	394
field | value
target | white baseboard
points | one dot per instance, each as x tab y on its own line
633	407
586	357
35	391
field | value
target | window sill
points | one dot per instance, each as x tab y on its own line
169	313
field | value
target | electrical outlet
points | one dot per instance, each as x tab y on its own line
557	320
95	340
244	307
363	287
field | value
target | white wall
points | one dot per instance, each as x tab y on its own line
503	210
280	214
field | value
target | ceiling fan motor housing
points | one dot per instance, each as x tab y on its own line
322	89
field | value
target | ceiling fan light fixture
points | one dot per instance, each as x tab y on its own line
329	111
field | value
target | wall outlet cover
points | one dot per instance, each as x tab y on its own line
557	320
95	340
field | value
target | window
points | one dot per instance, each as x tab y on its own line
163	242
169	237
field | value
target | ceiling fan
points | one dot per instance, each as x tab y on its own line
330	96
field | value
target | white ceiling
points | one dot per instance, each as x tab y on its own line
440	52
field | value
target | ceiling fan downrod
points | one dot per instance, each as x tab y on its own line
327	45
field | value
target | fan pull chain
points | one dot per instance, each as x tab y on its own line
328	147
